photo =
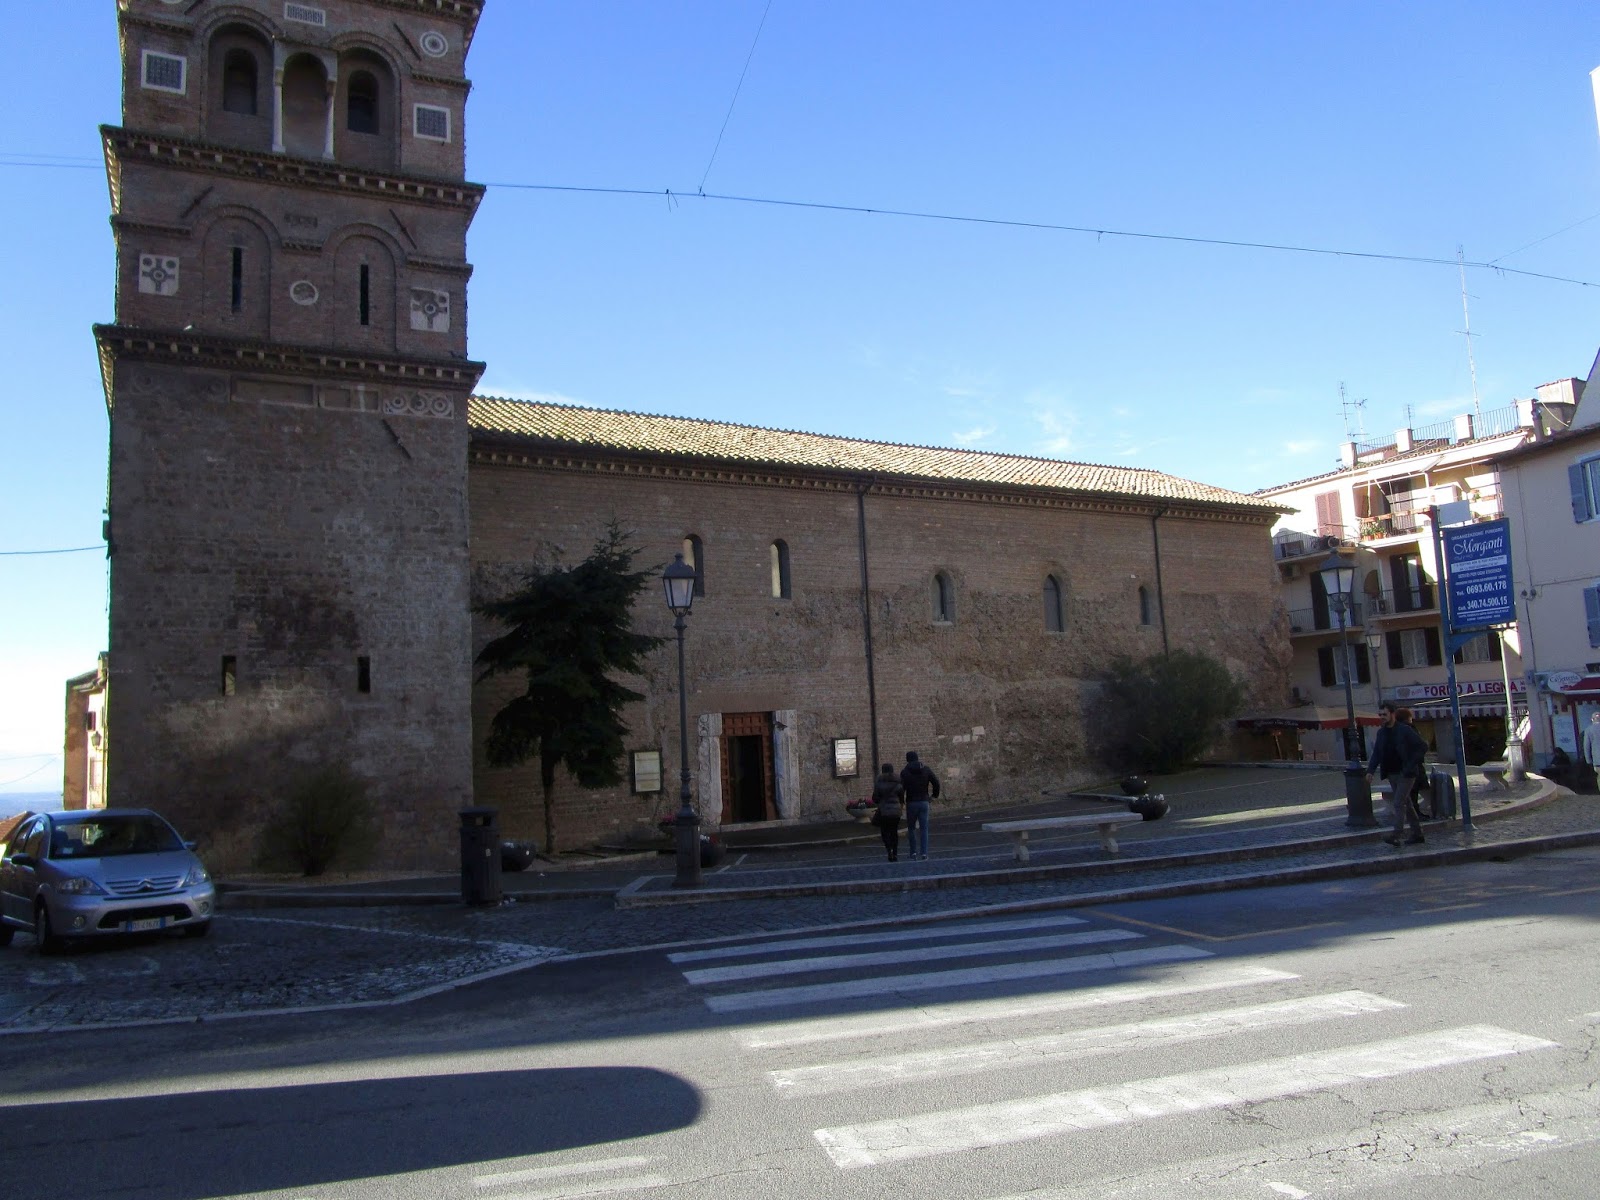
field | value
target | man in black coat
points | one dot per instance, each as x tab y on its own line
920	784
1397	754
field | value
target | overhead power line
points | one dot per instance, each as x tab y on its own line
68	550
1496	265
1053	227
738	87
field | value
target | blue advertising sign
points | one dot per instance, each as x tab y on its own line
1478	563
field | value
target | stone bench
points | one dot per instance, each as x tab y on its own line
1106	823
1495	773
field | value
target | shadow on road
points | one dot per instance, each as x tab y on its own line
219	1143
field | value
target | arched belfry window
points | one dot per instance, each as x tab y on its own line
239	81
694	555
305	107
944	598
361	103
1146	609
1053	615
781	586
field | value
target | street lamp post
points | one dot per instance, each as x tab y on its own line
1374	647
1338	577
678	580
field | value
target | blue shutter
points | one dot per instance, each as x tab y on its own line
1581	510
1591	609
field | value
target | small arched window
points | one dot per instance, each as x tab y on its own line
1146	615
944	598
361	103
239	83
780	570
1053	622
694	554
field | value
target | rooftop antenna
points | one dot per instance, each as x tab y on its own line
1347	406
1466	332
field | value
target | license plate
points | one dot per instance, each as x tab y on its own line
148	923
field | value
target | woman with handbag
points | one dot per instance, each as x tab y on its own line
887	794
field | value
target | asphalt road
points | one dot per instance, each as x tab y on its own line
1430	1034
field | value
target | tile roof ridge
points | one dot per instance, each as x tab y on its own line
834	437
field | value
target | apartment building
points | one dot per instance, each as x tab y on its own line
1373	513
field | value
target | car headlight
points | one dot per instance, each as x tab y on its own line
196	876
77	885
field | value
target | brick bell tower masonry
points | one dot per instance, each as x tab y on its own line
287	384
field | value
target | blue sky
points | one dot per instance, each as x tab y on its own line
1406	130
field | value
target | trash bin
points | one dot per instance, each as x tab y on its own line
1442	796
480	855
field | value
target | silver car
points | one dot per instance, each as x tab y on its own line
66	875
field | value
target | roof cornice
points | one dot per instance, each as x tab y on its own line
491	448
159	149
189	349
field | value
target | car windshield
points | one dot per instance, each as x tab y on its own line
108	836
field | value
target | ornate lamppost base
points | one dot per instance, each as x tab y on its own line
1358	799
687	831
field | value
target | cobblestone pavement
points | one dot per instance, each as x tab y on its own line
294	959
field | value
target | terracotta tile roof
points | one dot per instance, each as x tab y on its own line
602	429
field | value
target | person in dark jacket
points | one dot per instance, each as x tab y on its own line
887	794
921	785
1397	754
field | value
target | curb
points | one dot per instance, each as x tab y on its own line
630	895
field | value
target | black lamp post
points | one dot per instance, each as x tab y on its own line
1338	578
678	580
1374	648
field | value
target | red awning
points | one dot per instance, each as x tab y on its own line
1309	716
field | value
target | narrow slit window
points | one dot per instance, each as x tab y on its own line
363	674
944	599
230	674
1053	622
236	287
694	553
781	587
239	83
361	103
1146	615
366	294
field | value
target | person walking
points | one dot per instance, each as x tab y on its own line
1397	754
887	794
1590	749
921	785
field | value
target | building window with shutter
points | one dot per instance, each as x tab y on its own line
1481	649
1585	480
1330	514
1591	610
1414	648
1330	663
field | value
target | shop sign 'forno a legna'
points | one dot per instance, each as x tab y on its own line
1478	562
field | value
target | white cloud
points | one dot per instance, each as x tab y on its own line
973	436
530	395
1305	447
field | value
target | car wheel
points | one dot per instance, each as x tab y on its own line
43	933
6	934
197	931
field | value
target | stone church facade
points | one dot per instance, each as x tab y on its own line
305	498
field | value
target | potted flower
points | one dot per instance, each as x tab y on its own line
861	810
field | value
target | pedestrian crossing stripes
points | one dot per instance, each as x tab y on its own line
1106	1039
905	985
1182	981
591	1178
885	958
876	938
952	1131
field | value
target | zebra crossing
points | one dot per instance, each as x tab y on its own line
973	1011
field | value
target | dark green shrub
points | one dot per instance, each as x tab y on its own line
327	818
1162	713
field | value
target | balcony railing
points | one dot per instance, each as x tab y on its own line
1311	620
1406	601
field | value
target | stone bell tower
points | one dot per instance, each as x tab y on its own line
287	382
